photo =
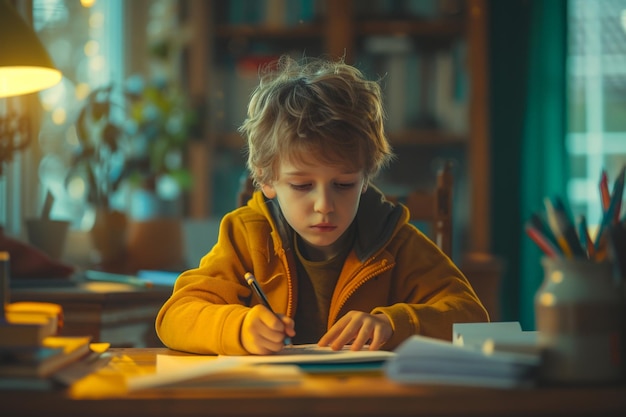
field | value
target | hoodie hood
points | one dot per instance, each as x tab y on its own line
377	220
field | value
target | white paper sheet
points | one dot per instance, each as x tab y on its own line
311	354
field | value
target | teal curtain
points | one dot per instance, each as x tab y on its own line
528	50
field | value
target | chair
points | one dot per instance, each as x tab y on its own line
430	206
433	207
246	189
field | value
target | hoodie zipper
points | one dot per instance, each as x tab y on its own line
385	265
290	296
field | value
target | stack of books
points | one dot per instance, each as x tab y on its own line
33	355
496	355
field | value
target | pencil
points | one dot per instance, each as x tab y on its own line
605	196
563	229
618	192
585	239
540	225
544	244
610	214
256	288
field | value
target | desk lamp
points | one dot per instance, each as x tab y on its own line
25	67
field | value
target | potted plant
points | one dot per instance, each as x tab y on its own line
99	162
159	121
134	136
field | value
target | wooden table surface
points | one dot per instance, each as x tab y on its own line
103	393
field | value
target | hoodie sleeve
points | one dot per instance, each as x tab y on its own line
434	291
205	312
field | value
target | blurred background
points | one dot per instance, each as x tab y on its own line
526	97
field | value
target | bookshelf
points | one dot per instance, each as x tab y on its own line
433	53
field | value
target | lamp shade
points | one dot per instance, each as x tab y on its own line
25	66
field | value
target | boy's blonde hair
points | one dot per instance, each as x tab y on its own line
319	108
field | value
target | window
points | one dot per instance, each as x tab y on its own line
597	100
85	40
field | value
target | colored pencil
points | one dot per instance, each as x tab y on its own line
585	239
605	195
618	192
563	228
609	214
539	223
540	239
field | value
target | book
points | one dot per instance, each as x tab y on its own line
167	278
65	377
24	383
54	353
22	328
426	360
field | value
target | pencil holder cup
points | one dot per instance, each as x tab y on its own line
48	235
579	320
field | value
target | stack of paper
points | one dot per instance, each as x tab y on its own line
285	367
426	360
506	336
313	354
208	371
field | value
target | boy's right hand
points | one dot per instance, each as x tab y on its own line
262	333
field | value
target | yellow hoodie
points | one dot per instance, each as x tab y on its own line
393	269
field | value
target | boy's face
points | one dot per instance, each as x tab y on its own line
318	201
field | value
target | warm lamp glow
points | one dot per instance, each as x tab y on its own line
15	81
25	66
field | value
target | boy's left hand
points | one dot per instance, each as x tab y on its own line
359	328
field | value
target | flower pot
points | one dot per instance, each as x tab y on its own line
156	244
48	235
108	237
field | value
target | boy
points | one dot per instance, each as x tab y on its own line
339	264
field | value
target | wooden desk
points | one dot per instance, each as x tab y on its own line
120	314
317	395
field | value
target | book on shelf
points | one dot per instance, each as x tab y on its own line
272	13
41	361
